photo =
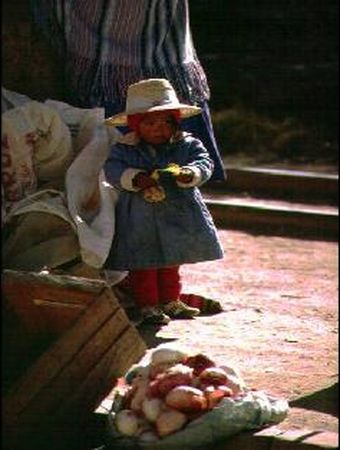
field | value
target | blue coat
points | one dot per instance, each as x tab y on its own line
175	231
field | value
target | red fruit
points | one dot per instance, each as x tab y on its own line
152	390
199	363
227	391
164	382
213	396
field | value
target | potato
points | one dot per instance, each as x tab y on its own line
151	408
213	376
170	421
167	355
186	398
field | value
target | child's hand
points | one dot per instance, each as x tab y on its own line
143	181
185	176
154	194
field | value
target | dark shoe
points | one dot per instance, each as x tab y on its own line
154	315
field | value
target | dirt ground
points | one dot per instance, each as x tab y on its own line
279	326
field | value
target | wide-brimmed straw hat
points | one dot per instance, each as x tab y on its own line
154	94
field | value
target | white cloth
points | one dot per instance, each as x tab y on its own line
11	99
85	176
62	133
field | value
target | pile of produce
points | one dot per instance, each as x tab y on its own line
174	389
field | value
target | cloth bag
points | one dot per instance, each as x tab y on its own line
39	233
249	411
254	411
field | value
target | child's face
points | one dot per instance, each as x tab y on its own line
157	127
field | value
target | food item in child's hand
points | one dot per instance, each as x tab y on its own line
154	194
185	175
186	398
170	421
172	170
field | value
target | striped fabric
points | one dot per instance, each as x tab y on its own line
109	44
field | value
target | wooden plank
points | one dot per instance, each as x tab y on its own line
58	305
50	364
32	296
67	381
101	379
57	281
95	385
57	317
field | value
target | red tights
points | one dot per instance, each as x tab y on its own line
150	287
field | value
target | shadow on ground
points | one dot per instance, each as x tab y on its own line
324	401
148	334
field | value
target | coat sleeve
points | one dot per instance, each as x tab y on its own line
199	161
118	172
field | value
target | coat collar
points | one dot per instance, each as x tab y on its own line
133	139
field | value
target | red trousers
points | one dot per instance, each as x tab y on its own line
150	287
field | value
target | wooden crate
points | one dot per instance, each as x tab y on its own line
93	343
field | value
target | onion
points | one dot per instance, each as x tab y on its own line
126	422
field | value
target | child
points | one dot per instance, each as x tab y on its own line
161	219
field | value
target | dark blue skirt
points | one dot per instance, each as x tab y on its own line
201	127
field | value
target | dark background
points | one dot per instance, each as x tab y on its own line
278	59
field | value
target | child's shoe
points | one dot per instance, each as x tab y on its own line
179	310
154	315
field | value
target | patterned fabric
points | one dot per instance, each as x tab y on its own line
109	44
35	147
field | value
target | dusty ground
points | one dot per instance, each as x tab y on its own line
279	326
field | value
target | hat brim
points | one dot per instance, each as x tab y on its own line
186	111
